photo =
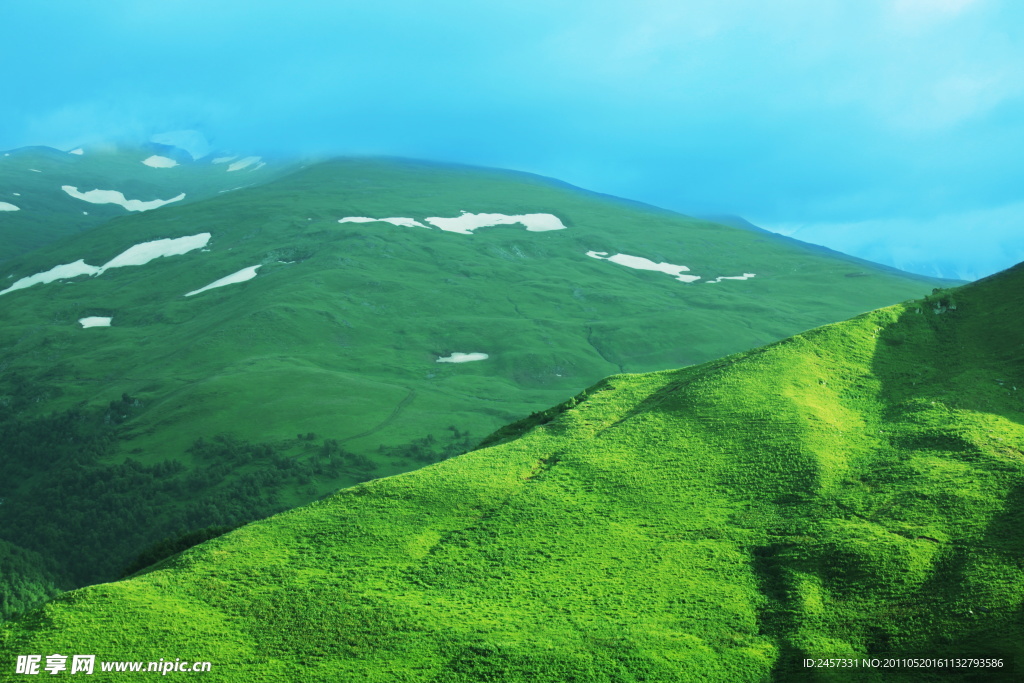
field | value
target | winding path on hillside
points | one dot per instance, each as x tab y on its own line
386	421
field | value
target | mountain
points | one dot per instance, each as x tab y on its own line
853	492
204	364
46	194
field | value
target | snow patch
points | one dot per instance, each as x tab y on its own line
79	151
401	222
115	197
259	166
16	194
95	321
137	255
745	276
143	253
35	170
463	357
61	272
468	222
157	161
6	206
243	163
641	263
241	276
223	160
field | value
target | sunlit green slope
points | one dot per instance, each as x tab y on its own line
852	491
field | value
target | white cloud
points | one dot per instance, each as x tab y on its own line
928	11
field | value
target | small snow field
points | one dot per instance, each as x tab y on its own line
458	357
115	197
401	222
241	276
6	206
745	276
641	263
141	254
157	161
61	272
137	255
468	222
77	151
243	163
223	160
95	321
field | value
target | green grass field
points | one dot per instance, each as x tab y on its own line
31	179
338	336
852	491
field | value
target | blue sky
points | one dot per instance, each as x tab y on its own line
890	129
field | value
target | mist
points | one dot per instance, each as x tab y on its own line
887	129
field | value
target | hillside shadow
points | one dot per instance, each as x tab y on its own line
961	360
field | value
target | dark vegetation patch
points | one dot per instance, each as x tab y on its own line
74	515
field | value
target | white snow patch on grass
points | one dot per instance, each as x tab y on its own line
115	197
157	161
401	222
137	255
243	163
95	321
35	170
468	222
241	276
61	272
745	276
16	194
223	160
641	263
78	150
259	166
458	357
143	253
7	206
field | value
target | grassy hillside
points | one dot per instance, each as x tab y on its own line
322	371
853	491
31	179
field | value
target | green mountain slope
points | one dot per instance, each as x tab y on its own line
853	491
323	370
35	210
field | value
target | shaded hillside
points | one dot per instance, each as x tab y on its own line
35	210
853	491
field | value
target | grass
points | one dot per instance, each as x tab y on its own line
342	342
852	491
47	214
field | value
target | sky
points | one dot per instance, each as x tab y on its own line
889	129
